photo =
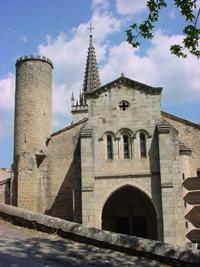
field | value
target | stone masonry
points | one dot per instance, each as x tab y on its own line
5	178
119	166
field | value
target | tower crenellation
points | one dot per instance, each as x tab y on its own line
34	57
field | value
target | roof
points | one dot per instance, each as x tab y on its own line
69	127
125	81
176	118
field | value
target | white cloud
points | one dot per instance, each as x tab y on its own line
179	77
130	7
100	5
157	67
123	58
105	24
69	58
62	103
68	52
7	85
7	89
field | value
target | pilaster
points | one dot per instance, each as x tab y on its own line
87	171
167	171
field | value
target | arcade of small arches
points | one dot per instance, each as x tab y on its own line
129	210
125	143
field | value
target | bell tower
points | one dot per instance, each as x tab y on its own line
79	108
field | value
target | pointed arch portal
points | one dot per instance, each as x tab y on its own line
130	211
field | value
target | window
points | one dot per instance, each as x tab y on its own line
126	146
109	147
143	149
198	172
123	105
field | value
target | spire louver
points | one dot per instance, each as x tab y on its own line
91	79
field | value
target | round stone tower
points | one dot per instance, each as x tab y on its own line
33	116
33	104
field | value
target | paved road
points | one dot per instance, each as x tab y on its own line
20	247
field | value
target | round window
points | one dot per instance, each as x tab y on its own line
123	105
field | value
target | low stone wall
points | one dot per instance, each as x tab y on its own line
165	253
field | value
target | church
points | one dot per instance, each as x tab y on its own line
119	166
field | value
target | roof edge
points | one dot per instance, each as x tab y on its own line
125	80
173	117
69	127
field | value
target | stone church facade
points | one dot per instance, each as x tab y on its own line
119	166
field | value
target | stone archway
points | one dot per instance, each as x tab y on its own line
130	211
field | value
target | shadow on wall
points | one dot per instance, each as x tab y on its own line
7	192
67	203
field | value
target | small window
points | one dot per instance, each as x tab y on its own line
143	149
126	146
123	105
198	172
109	147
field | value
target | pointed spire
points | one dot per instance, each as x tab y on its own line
91	79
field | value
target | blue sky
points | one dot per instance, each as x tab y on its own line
59	30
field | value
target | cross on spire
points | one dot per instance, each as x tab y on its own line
91	28
91	78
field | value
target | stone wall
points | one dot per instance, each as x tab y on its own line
189	134
171	189
105	187
105	116
64	174
33	118
163	253
33	105
5	177
102	176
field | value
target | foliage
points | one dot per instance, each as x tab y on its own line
191	31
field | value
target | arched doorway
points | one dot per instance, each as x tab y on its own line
130	211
